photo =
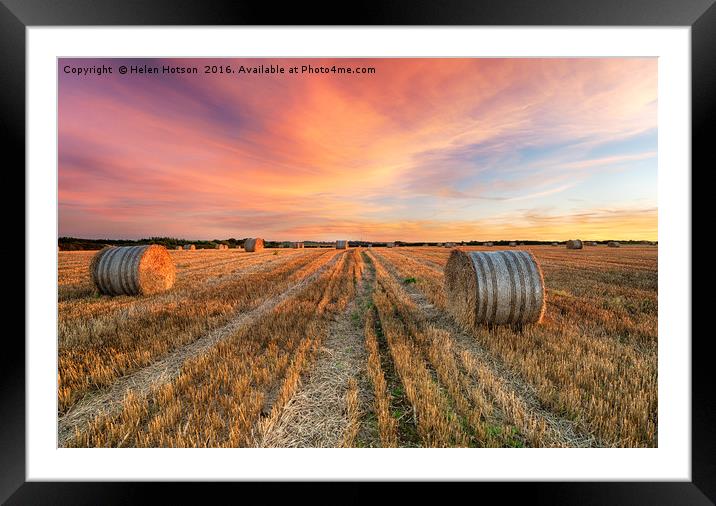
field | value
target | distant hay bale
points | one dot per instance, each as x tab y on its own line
495	287
254	244
297	245
439	245
613	244
189	247
341	244
574	244
178	248
132	270
390	245
555	244
488	244
513	244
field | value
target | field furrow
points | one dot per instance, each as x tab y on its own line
585	364
153	383
326	410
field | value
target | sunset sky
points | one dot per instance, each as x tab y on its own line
422	150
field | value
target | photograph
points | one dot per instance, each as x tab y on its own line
357	252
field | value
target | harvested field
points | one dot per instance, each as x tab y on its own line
322	347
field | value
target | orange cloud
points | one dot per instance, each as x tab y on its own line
380	156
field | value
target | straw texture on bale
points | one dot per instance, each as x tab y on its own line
254	244
189	247
613	244
574	244
341	244
132	270
496	287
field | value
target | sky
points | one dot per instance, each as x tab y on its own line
420	150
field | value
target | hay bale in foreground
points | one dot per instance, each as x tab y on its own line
254	244
613	244
189	247
341	244
574	244
132	270
495	287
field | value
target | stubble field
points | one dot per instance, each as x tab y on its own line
356	348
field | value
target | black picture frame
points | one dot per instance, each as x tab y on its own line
700	15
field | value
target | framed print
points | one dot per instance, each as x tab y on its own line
421	245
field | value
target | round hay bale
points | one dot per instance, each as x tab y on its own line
178	248
513	244
189	247
555	244
341	244
488	244
132	270
613	244
574	244
495	287
390	245
254	244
